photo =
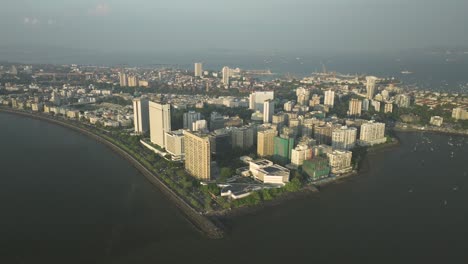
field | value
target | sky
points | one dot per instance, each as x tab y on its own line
178	26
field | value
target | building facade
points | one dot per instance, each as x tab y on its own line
197	155
141	115
160	122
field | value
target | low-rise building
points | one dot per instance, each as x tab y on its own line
268	172
436	121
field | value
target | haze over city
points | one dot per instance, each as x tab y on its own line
183	26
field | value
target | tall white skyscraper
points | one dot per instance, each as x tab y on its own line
370	86
189	118
198	69
226	72
268	110
160	122
141	115
256	100
329	98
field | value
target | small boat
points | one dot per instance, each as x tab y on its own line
445	202
410	190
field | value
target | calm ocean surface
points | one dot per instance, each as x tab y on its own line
66	199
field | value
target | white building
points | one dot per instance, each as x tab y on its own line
141	115
372	133
175	144
268	111
267	172
329	98
199	125
299	154
256	99
160	122
340	161
344	138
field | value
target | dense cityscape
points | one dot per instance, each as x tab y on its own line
232	138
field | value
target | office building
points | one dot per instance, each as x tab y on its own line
217	121
355	107
197	155
329	98
198	69
256	100
372	133
141	115
268	111
175	144
189	118
344	138
160	122
266	142
370	86
340	161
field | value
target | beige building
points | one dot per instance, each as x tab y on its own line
123	79
370	86
460	114
436	121
160	122
132	81
340	161
175	144
388	108
372	133
197	155
198	69
355	107
299	154
265	142
329	98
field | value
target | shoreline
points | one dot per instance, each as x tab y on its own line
201	222
432	130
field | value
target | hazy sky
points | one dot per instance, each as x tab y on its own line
269	25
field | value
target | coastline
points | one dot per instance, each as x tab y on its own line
411	128
201	222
